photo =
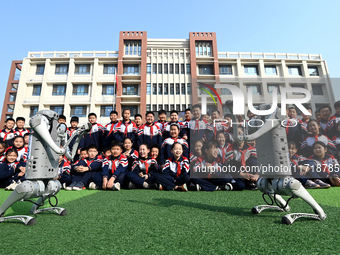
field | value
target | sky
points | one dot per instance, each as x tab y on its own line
303	26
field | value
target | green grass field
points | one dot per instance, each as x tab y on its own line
160	222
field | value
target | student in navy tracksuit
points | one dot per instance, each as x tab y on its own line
7	134
109	129
19	145
86	169
95	136
168	142
126	128
114	168
325	114
74	126
149	133
143	170
64	176
295	129
175	174
161	119
10	169
3	147
174	120
200	129
129	152
333	121
19	129
186	126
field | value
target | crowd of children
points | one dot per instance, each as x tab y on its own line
168	155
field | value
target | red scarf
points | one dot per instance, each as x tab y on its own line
145	162
151	129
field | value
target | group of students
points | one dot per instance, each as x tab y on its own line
169	155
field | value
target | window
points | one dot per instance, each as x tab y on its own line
154	107
61	69
148	68
10	108
172	89
203	48
33	110
188	69
105	110
59	109
80	89
82	69
225	91
148	107
58	90
160	89
154	68
270	70
171	68
160	68
297	86
12	97
40	70
294	70
178	107
78	110
132	47
133	109
176	68
256	89
130	89
14	87
148	89
166	108
182	69
172	107
154	89
251	70
205	69
131	69
165	68
270	88
109	69
317	89
189	88
313	71
160	107
226	70
36	90
109	89
166	88
183	107
183	88
177	89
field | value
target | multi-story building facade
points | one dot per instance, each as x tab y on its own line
152	74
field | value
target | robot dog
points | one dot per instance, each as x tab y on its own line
47	142
272	150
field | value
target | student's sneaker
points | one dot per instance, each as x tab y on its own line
146	185
79	186
335	181
311	185
322	184
198	187
227	187
160	187
71	186
184	187
93	186
11	186
116	186
131	186
63	186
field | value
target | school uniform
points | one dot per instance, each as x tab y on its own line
146	166
21	132
166	148
324	168
69	134
94	166
9	172
219	127
166	130
95	136
223	151
174	173
65	172
160	124
22	153
133	155
295	161
331	125
7	136
198	129
295	130
125	130
307	144
149	134
108	133
324	125
115	167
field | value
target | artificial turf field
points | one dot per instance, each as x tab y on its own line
160	222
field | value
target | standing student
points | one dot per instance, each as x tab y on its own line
95	136
173	120
200	128
110	128
74	126
186	125
333	121
149	133
296	131
20	124
62	119
138	121
125	128
325	114
7	134
161	119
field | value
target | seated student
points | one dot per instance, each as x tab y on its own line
83	154
19	129
324	167
26	139
19	145
12	172
7	134
86	169
168	142
106	153
110	128
296	131
196	152
175	173
205	175
333	121
3	147
114	168
129	152
223	146
313	136
149	133
64	176
155	154
161	119
125	128
95	136
173	120
143	170
219	126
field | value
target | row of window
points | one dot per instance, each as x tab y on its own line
168	68
62	69
163	89
254	70
171	107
